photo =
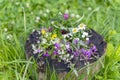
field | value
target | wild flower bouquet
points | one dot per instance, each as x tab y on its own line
64	47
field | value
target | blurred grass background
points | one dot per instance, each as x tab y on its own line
18	19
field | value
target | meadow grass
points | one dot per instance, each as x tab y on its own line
17	20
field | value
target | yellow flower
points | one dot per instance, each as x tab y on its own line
43	31
82	26
74	30
54	36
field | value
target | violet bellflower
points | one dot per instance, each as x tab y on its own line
67	45
69	50
46	54
76	40
87	53
93	49
57	46
66	16
55	52
76	53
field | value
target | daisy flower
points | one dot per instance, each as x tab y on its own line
74	30
82	26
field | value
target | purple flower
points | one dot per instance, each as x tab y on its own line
83	50
69	50
76	53
66	16
57	46
39	50
93	48
76	40
46	54
67	46
87	53
55	52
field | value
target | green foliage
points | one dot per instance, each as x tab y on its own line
18	17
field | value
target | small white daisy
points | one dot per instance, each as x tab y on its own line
82	26
74	30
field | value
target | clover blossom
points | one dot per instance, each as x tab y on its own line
66	16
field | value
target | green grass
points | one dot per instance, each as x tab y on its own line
101	15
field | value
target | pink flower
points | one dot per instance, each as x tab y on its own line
66	16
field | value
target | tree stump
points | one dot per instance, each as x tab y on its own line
60	67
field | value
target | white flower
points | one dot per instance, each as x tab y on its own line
52	22
69	35
77	16
60	13
38	42
9	37
67	55
82	26
5	29
37	18
44	41
74	30
33	47
85	34
87	39
61	52
72	15
71	56
47	10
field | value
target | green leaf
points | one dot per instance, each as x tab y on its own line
110	49
117	54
